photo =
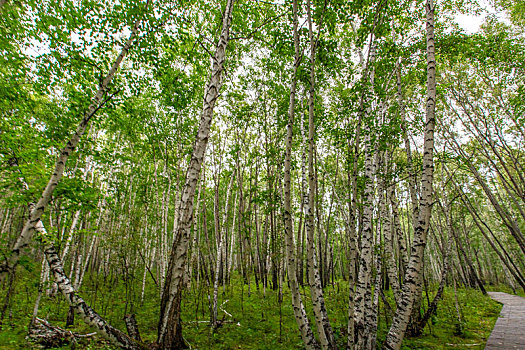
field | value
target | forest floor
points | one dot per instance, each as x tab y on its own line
254	320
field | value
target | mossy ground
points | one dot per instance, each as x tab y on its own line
254	320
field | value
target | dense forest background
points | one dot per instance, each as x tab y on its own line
259	174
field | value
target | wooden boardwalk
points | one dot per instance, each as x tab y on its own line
509	330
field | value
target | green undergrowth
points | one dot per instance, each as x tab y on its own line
444	331
249	319
506	289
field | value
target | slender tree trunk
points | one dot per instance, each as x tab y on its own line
220	252
412	178
170	327
363	292
373	315
398	231
324	328
74	223
97	102
43	275
387	226
432	307
89	316
297	303
412	283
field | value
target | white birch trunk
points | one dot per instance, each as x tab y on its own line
76	216
97	102
297	303
387	227
363	291
412	284
324	328
170	327
220	253
89	316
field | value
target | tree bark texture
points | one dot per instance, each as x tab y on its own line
324	328
412	283
220	253
76	302
297	303
170	328
97	102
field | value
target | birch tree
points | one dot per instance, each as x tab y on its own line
412	285
170	327
299	310
98	101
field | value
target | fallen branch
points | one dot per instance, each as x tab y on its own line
226	312
50	336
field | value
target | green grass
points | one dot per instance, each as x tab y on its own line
478	315
257	320
505	288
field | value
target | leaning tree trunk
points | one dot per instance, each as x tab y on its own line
90	317
29	228
170	327
412	285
